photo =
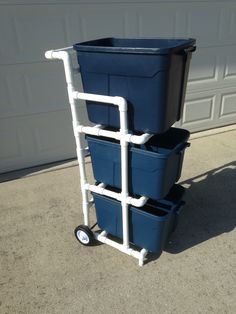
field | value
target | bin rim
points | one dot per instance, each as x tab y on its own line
140	210
93	45
161	155
173	200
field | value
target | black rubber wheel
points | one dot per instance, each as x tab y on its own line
84	235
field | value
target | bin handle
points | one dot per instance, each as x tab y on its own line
181	147
190	49
187	52
173	206
178	149
180	207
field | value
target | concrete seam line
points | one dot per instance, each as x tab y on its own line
212	132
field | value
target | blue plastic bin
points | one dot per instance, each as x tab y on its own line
149	226
153	167
150	73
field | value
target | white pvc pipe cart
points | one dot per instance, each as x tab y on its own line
84	233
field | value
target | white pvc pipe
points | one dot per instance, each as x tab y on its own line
65	57
123	136
115	100
98	131
138	139
102	237
143	254
124	174
121	103
52	54
100	189
137	202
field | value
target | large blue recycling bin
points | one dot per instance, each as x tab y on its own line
153	167
150	73
149	226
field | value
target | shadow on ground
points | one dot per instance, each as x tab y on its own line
210	208
17	174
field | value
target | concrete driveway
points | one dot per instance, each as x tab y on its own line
44	270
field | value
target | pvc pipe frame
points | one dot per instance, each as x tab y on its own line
124	138
137	202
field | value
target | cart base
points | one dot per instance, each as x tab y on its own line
102	237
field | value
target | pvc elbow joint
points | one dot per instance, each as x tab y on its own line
121	103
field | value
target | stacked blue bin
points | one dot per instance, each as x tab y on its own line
151	74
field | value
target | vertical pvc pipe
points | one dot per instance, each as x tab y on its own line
78	137
124	174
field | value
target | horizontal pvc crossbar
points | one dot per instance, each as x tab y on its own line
100	189
114	100
138	139
98	131
102	237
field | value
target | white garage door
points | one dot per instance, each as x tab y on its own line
35	123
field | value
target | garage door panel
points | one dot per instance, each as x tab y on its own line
203	22
13	97
7	2
213	67
181	19
31	30
10	143
94	21
28	31
229	71
228	22
49	127
38	139
26	39
228	104
200	108
204	69
153	19
35	121
32	88
207	22
212	24
17	144
210	108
